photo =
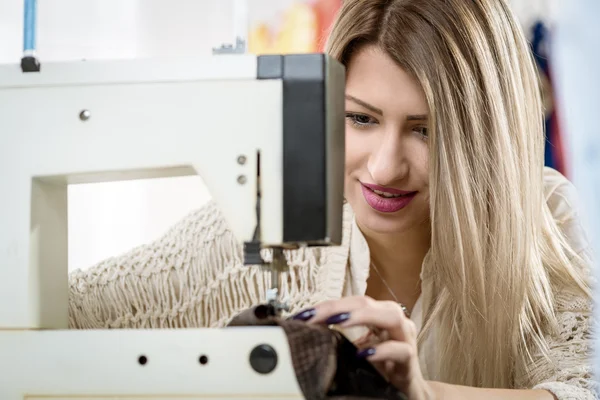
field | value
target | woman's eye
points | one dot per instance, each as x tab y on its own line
422	131
360	120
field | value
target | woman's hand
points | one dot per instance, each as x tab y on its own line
396	355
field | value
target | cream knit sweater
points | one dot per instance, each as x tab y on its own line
194	277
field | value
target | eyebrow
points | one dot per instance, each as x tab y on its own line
365	105
421	117
417	117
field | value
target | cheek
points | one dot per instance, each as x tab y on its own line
421	161
416	153
357	151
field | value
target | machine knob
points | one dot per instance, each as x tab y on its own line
263	359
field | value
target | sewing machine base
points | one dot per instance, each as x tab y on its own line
147	364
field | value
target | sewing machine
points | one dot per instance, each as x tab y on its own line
266	134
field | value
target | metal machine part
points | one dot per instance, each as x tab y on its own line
226	48
278	266
313	151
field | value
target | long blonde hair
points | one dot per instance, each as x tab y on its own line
497	257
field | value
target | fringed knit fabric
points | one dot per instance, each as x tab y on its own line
191	277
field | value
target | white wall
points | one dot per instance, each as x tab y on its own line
576	59
111	218
528	11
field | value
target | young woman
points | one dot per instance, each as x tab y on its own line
461	253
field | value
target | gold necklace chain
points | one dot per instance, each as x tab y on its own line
390	289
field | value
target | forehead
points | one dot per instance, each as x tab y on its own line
375	77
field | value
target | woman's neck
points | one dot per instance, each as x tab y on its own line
396	264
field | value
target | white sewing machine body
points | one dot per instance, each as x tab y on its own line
223	117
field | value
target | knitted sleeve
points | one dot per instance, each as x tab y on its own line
568	371
193	276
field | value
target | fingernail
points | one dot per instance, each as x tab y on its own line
366	353
338	319
305	315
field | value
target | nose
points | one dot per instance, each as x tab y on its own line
388	161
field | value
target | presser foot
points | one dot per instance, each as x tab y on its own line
275	303
277	266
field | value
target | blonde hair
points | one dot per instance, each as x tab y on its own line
497	255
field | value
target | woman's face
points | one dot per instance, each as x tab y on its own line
386	145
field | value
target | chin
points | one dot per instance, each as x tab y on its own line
375	222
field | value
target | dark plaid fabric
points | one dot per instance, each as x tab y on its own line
324	360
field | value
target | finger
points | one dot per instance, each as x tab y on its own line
334	311
390	351
389	368
363	310
385	315
354	311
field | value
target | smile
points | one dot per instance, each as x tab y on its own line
386	194
386	200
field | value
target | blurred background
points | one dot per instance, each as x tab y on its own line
110	218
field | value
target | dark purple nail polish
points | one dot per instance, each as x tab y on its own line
338	319
366	353
305	315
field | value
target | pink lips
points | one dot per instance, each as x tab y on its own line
386	204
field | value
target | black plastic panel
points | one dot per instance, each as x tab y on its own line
270	67
313	145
